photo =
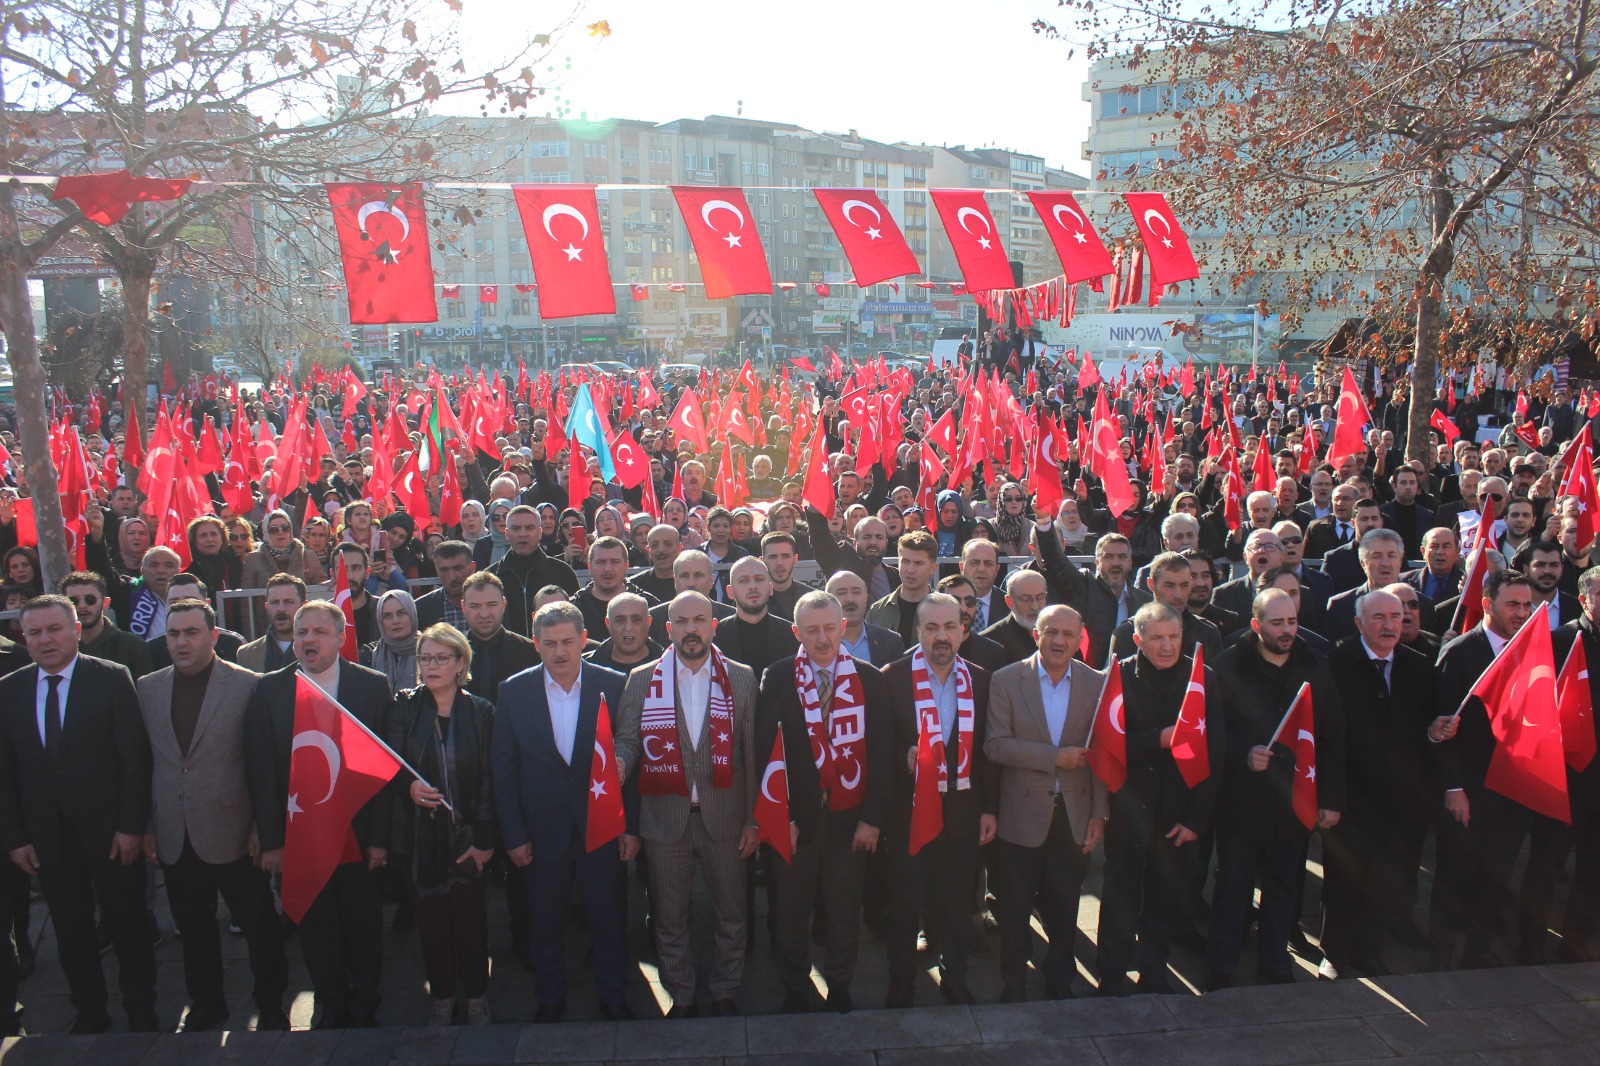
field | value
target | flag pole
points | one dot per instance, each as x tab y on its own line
1543	614
1276	733
381	743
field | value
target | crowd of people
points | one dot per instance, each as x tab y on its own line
964	630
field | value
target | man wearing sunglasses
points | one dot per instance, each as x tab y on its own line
1318	586
101	637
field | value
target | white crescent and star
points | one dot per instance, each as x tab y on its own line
378	207
711	207
1083	223
872	232
853	783
648	754
1151	217
772	768
315	738
555	211
1115	714
961	220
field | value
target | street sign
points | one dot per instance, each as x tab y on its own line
766	333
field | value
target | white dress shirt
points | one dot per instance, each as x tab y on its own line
61	695
694	696
563	713
327	681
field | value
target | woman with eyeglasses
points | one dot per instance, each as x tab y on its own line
281	552
1013	522
447	830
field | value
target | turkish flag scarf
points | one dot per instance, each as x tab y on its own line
838	733
933	761
383	243
661	770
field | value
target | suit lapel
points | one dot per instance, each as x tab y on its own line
83	677
29	708
544	731
1033	699
161	731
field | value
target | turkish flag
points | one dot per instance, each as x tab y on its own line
1109	465
342	599
629	459
604	820
132	443
411	489
1352	419
450	496
383	242
1089	374
640	293
1469	609
1575	702
943	432
1447	429
930	471
927	806
1265	480
1189	748
488	294
1579	482
1528	434
1082	253
210	449
732	262
873	243
772	802
688	423
1045	460
1166	247
818	488
336	765
970	227
565	241
1518	691
1298	733
648	396
1108	736
104	199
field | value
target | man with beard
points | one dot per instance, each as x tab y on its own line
838	749
100	636
452	562
1543	562
1520	519
865	557
754	636
1259	837
1202	578
1027	592
861	640
919	554
628	619
274	649
778	552
691	572
1170	581
933	689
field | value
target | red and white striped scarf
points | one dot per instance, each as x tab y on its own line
928	718
838	744
661	768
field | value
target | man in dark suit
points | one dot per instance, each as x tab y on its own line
691	572
1482	831
1170	582
1327	533
976	648
1543	561
754	636
74	806
497	652
1381	560
1343	564
1553	841
1441	578
862	640
1318	586
1027	592
1263	551
1404	514
542	786
341	934
1202	582
931	688
452	561
832	710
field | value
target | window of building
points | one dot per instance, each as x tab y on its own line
522	306
455	309
661	245
761	169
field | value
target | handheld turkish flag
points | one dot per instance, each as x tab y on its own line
943	432
818	489
1082	253
1109	465
732	262
1046	464
1447	429
688	423
1298	733
383	243
1469	609
970	227
1189	748
571	268
648	396
1352	420
1518	691
605	820
1108	736
927	806
336	765
1575	701
342	599
772	802
632	466
1579	482
873	243
1265	480
1528	434
1166	247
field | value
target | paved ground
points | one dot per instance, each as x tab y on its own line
1524	1016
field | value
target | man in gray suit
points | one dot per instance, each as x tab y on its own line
204	833
686	724
1053	809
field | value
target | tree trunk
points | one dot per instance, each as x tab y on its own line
1424	377
136	274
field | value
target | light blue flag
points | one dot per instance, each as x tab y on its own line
583	426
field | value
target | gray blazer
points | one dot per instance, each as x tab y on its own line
726	812
1018	742
203	795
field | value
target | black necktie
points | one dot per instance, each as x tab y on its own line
1344	532
1383	672
52	716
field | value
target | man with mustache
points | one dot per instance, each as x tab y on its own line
274	649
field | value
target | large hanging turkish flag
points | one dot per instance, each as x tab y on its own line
1082	253
979	251
732	261
562	225
876	248
383	241
1166	248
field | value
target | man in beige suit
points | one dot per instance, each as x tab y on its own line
202	829
1053	809
686	725
274	649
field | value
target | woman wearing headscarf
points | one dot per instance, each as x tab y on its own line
394	653
952	526
550	530
474	522
280	552
447	829
494	544
1012	521
133	540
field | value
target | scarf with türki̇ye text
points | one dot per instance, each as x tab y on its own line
837	739
661	770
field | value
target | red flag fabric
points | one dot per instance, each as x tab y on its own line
1575	704
1447	429
632	465
336	765
1189	747
1166	248
1089	374
1528	434
1352	420
648	396
927	806
871	239
1082	253
342	599
1578	482
640	293
1265	480
1298	733
1109	465
1045	464
1469	609
383	243
604	820
732	261
943	432
578	479
105	199
132	443
979	251
450	495
688	423
818	488
1108	736
772	802
565	241
1518	691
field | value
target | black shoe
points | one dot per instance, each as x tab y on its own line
1216	982
199	1019
1409	937
272	1020
725	1008
550	1012
1057	992
90	1024
1298	942
1155	984
341	1020
617	1012
1372	967
1114	985
1275	978
798	1002
956	993
839	1000
363	1019
691	1009
143	1021
1013	994
1481	960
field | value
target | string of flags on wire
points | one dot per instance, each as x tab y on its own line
382	232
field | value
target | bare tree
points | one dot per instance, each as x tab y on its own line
1431	162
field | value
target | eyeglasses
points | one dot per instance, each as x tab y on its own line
238	536
85	601
1013	499
278	529
437	660
1495	496
970	601
1291	541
